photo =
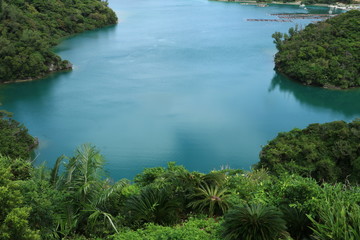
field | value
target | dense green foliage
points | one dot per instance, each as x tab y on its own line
14	214
29	28
329	152
338	213
15	141
86	192
192	229
76	200
254	222
325	54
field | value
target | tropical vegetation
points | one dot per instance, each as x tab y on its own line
324	54
30	28
76	199
254	222
15	141
304	187
327	152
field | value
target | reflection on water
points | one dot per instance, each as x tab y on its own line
339	101
18	94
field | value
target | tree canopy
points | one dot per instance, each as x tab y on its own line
15	141
327	152
325	54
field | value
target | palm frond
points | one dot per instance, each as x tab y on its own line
210	198
93	219
153	205
108	190
54	175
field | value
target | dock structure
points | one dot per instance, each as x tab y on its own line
300	14
288	17
268	20
303	15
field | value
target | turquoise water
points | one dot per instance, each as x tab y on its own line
189	81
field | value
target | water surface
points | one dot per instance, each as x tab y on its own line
189	81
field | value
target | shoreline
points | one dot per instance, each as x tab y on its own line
67	69
327	87
298	3
36	78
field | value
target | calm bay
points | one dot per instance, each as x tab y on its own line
189	81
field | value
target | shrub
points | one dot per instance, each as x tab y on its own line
152	205
297	223
193	229
254	222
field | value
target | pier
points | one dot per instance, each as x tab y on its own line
303	16
268	20
288	17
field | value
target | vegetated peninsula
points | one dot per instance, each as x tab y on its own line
29	28
327	152
325	54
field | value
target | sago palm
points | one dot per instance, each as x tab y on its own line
211	199
254	222
153	205
298	224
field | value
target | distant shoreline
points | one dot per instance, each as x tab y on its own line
298	3
277	3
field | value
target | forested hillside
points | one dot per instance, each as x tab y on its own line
15	141
29	28
327	152
325	54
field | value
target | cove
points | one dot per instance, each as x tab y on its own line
189	81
